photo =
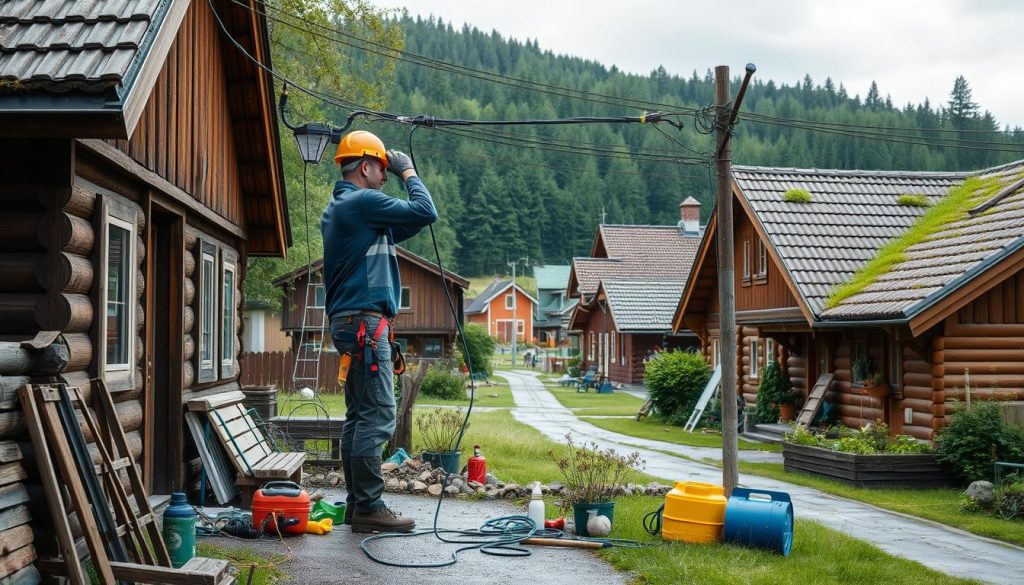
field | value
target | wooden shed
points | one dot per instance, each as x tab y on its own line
947	314
141	168
424	324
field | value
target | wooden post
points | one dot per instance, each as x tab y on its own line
410	391
725	118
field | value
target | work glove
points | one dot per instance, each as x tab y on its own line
398	162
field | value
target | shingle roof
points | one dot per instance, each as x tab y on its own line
851	215
638	253
60	45
642	305
948	257
479	303
551	277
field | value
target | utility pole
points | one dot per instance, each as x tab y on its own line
515	299
724	120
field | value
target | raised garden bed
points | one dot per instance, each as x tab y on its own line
917	470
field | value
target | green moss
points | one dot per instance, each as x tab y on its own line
797	196
954	206
913	200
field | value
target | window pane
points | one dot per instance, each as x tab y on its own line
228	348
118	247
206	325
432	347
320	295
406	300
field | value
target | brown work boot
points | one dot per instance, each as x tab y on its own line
383	520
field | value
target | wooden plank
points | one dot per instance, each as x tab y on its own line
48	476
216	401
15	516
9	451
14	561
15	538
27	575
11	473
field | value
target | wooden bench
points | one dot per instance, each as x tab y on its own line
253	456
298	429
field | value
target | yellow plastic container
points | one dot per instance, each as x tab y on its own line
694	512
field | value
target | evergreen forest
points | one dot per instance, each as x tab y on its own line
539	191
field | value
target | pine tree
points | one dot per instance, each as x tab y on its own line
960	107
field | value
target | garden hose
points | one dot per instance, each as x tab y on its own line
652	521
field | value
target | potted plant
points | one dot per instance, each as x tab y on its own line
861	368
787	405
439	428
591	476
775	395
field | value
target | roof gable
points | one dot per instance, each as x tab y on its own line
636	252
551	277
480	302
644	306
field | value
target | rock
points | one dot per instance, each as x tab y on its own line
457	482
425	476
473	484
556	487
403	485
412	463
468	490
434	489
981	493
511	487
334	479
452	490
490	479
418	487
388	466
391	485
481	490
316	496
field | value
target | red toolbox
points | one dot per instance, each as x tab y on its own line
285	503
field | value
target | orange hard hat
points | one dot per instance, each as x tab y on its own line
360	143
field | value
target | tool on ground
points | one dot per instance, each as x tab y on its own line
285	504
556	524
477	466
564	543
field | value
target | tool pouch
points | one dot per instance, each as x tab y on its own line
397	359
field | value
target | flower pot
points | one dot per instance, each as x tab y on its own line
787	412
580	514
447	460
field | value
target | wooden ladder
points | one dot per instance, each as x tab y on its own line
814	398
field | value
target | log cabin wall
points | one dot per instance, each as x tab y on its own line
982	346
919	395
853	409
749	371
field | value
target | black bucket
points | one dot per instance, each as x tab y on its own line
261	398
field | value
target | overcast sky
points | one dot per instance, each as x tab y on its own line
912	49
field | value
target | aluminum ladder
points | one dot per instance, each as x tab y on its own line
311	337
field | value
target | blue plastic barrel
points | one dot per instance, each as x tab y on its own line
760	518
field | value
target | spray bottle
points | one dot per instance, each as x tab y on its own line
536	508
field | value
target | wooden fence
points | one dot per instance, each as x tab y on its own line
277	368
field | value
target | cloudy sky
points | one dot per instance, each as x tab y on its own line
913	49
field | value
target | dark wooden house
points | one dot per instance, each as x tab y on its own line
628	291
140	168
424	325
946	316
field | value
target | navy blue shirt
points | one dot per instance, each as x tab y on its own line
360	228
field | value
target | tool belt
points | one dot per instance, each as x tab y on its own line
370	357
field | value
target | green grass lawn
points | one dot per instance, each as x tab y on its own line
648	428
486	395
939	504
591	403
265	572
517	452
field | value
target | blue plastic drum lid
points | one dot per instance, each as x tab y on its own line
760	518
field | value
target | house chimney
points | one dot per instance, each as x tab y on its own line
689	211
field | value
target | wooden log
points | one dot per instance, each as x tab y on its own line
19	274
10	451
190	291
17	560
139	349
924	433
79	351
16	360
917	366
9	390
1002	393
188	347
79	379
188	318
140	285
68	233
15	538
140	249
70	313
15	516
187	374
984	355
918	393
191	237
978	381
12	473
79	202
190	265
918	379
65	272
988	367
18	312
18	231
140	318
983	344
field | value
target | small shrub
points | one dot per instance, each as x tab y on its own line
439	427
481	348
872	439
441	382
1009	500
775	389
797	196
802	436
913	200
592	474
975	439
675	381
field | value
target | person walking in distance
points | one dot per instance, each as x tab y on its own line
360	227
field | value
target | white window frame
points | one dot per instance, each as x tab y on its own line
754	374
762	258
510	300
746	259
716	351
207	290
228	337
406	291
769	350
129	308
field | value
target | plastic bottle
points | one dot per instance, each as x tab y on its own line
180	530
536	509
